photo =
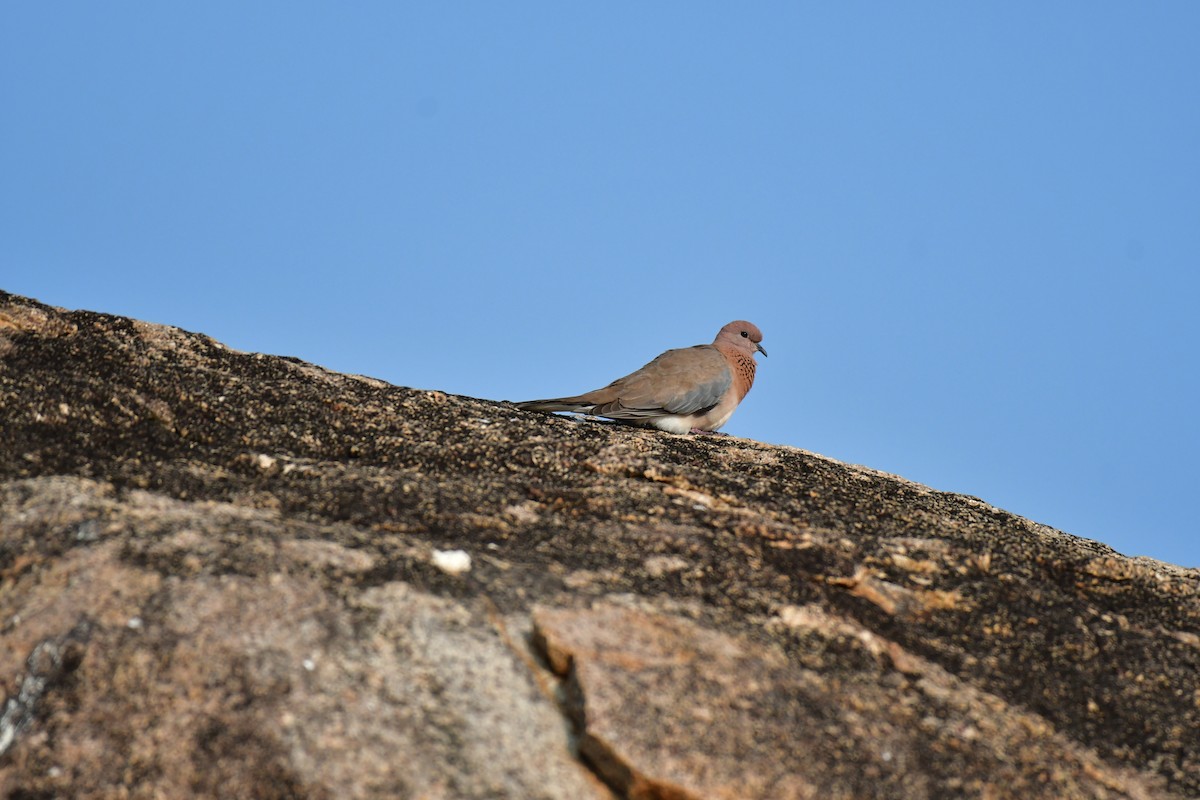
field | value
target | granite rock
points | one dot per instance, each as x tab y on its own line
226	574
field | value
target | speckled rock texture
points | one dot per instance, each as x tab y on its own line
233	575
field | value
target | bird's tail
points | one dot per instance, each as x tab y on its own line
557	404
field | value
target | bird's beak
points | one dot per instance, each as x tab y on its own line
760	348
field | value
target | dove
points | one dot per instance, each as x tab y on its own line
689	390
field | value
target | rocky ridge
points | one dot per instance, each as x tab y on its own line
231	574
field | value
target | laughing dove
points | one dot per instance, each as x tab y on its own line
681	391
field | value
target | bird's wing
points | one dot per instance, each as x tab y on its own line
684	381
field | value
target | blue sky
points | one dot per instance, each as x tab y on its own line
969	232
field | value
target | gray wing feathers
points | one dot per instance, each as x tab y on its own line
684	381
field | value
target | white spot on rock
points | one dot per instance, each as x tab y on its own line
525	512
452	562
657	566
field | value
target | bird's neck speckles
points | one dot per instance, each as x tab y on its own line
743	370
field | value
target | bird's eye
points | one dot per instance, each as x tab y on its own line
745	335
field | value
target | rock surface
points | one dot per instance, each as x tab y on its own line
233	575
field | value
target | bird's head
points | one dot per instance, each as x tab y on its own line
742	335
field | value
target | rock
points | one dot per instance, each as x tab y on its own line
233	575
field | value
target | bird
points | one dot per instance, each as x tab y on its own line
688	390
